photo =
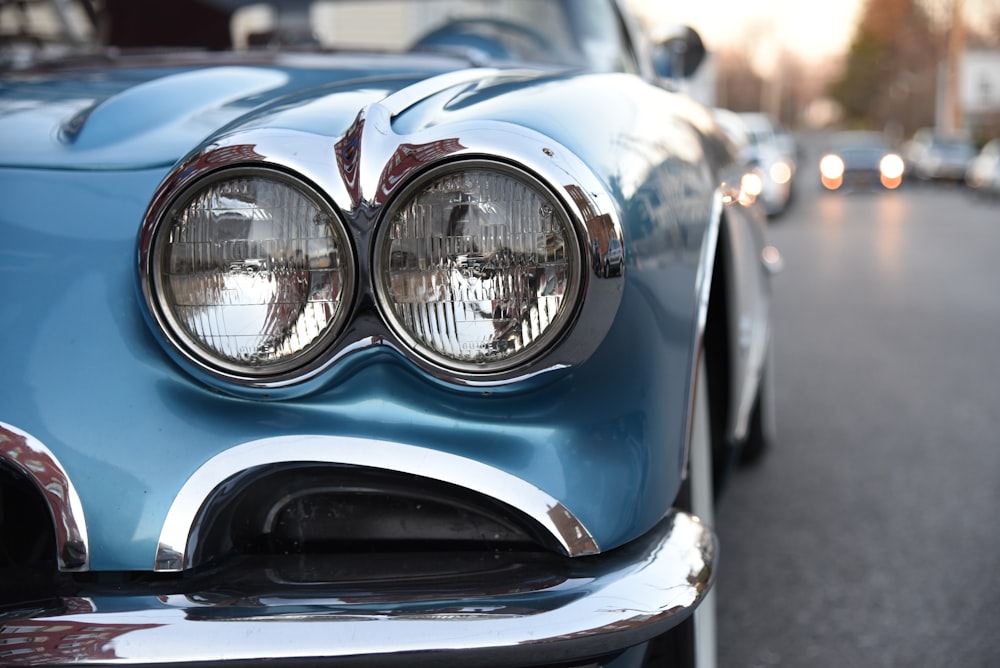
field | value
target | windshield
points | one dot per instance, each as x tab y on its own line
860	140
955	149
29	30
575	33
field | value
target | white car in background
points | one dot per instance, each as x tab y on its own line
932	156
983	174
771	153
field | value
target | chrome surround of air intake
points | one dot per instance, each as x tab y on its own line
175	550
27	455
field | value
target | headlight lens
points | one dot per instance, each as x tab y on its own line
891	166
752	184
253	272
831	167
781	172
477	266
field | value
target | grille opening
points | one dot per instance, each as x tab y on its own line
28	567
348	522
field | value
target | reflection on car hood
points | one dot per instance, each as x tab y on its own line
145	112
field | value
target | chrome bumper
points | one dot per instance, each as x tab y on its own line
595	606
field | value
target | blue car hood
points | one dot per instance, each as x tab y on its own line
133	114
83	151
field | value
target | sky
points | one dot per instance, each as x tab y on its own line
813	30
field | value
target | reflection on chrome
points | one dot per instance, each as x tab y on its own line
751	186
30	457
604	603
771	257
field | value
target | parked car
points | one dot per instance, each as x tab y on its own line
752	179
860	160
933	156
983	175
416	336
773	151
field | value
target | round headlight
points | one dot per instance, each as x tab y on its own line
251	273
752	184
781	173
478	267
831	166
891	166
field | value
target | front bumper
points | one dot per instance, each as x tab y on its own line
508	612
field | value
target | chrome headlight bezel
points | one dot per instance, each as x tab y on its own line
157	291
361	194
530	345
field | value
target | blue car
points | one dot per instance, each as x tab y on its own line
366	333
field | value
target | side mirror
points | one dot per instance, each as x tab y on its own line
678	54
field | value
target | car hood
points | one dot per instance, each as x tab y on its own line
142	112
862	157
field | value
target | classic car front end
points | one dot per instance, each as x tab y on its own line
365	358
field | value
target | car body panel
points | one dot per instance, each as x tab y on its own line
643	366
983	174
141	454
145	112
933	155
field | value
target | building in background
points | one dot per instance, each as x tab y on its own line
979	90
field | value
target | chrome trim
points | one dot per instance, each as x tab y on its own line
706	267
29	456
703	288
598	606
175	550
360	170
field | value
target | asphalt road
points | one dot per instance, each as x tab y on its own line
870	536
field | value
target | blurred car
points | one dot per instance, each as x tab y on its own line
983	175
406	333
772	150
932	156
860	160
752	177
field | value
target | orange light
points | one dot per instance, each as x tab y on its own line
832	183
891	183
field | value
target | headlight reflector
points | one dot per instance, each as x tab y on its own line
252	273
477	266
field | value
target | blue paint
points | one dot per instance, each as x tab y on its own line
83	373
